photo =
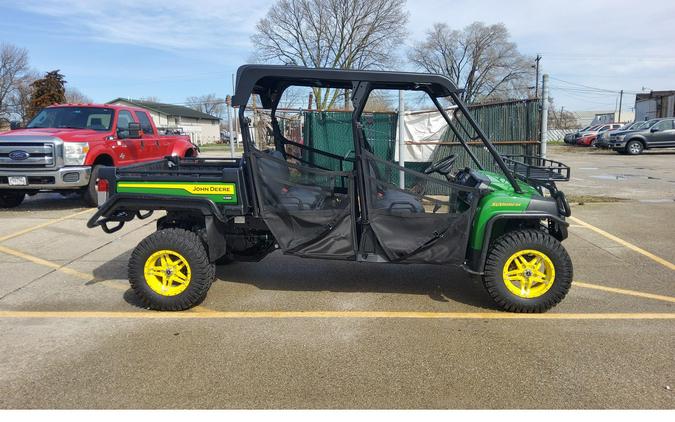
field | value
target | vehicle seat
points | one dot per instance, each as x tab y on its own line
276	177
97	123
389	198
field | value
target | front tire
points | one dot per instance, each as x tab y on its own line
634	147
11	199
527	271
170	270
90	196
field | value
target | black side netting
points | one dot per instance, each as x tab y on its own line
308	210
426	221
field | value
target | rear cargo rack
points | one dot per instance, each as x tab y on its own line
536	169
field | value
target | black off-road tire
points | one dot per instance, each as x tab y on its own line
11	199
512	242
634	147
89	194
190	246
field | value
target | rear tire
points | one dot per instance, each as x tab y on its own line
543	252
634	147
187	256
90	196
11	199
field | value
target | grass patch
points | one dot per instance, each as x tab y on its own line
218	147
592	199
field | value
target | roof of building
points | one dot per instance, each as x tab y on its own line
652	94
167	109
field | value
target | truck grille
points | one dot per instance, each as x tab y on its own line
26	155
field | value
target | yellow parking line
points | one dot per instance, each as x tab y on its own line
332	315
39	226
44	262
78	274
624	291
629	245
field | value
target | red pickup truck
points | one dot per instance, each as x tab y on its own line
63	147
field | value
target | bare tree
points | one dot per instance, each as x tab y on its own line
22	96
378	101
74	95
343	34
209	104
560	119
13	66
480	59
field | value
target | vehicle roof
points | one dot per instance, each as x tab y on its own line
264	79
110	106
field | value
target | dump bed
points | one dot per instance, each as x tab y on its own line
212	186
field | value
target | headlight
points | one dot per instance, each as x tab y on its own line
620	138
74	153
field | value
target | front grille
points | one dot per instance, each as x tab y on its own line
39	155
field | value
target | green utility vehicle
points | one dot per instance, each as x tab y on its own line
499	217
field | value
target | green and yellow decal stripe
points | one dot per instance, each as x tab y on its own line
225	193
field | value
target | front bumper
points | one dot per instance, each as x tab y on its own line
617	144
63	178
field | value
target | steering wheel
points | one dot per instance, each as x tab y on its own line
442	167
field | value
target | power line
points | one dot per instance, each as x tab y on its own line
614	91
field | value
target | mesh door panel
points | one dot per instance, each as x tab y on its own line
308	210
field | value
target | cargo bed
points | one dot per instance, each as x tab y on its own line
213	186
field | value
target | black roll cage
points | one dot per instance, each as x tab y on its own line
269	82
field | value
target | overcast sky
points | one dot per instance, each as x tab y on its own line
174	49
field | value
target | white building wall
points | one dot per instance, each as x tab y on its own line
201	131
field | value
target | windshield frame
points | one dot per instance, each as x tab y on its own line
100	110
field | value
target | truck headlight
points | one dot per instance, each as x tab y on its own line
620	138
74	153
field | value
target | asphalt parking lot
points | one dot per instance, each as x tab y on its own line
291	333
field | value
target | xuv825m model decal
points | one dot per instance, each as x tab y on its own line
223	193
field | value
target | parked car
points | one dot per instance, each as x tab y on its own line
64	146
571	138
588	138
225	136
603	138
656	133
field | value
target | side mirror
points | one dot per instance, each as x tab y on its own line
134	131
654	129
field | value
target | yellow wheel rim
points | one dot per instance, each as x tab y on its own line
528	273
167	273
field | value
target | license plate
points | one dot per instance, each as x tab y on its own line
18	181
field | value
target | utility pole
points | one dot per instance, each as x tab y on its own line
401	139
234	135
620	104
228	102
536	79
544	115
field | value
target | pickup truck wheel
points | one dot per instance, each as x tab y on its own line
170	270
11	199
90	195
634	147
527	271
